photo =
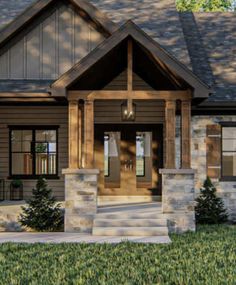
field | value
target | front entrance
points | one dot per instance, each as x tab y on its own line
129	157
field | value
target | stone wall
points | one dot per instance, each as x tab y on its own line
178	197
80	199
225	189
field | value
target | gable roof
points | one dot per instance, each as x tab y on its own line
22	20
58	88
204	42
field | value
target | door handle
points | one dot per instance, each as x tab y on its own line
128	165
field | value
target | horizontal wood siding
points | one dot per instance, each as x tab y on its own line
52	115
50	48
108	112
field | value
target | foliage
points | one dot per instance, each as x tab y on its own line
210	208
42	213
16	183
204	5
41	147
206	257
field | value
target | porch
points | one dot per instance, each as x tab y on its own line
92	174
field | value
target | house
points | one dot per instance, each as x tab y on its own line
118	101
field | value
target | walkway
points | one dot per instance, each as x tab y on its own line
124	210
74	238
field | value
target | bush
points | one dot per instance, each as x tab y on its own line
42	213
210	208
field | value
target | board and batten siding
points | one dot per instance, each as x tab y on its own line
120	82
51	115
50	48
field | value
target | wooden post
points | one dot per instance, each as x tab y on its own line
73	134
89	133
130	75
170	121
185	134
80	136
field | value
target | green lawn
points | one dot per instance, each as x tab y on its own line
207	257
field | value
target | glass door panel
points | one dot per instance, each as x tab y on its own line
144	159
112	159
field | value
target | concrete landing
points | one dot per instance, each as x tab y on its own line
55	238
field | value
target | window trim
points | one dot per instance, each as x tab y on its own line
222	177
33	128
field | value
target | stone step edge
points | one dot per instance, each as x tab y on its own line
128	222
130	231
129	216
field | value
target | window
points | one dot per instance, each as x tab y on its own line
228	152
33	152
143	152
106	155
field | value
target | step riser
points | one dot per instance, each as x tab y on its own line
130	223
124	216
134	231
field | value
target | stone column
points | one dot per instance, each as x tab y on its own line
178	199
80	199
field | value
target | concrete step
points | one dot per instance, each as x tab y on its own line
98	222
130	231
129	215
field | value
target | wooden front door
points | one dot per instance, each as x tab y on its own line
128	157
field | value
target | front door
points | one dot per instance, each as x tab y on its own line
128	157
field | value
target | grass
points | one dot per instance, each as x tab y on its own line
207	257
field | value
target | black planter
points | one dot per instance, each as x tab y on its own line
16	193
2	189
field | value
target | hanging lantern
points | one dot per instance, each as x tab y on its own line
128	114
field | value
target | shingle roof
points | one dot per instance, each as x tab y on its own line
218	32
33	86
205	42
10	9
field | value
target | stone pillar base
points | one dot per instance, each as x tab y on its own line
80	199
178	199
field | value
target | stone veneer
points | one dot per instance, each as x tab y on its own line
225	189
178	199
80	199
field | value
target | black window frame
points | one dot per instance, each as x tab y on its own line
33	128
226	125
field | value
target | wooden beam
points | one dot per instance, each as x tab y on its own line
80	137
170	121
186	134
130	66
130	75
73	134
134	95
24	95
28	100
89	133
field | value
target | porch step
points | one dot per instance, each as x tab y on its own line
140	219
127	216
130	231
130	223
